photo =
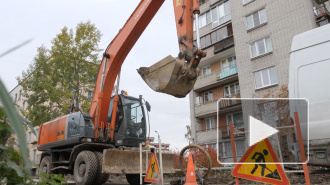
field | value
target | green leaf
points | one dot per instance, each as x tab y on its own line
16	123
14	166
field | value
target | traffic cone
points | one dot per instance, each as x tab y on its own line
191	176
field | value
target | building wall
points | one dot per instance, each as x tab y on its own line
284	20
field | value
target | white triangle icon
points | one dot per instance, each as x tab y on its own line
259	130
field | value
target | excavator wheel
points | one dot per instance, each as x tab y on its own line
134	179
103	177
85	168
45	165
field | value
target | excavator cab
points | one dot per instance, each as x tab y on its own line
130	127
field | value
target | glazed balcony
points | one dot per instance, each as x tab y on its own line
224	44
216	78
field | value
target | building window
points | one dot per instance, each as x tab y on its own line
29	137
227	150
36	136
23	107
228	64
210	123
266	77
261	47
237	119
206	70
208	96
90	95
216	36
220	14
15	100
211	145
231	90
19	94
216	16
205	19
256	19
34	155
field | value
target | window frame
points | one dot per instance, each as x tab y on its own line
210	123
206	94
232	117
262	80
231	151
19	94
254	43
207	68
259	17
28	137
236	84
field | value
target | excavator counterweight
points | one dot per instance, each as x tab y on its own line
170	76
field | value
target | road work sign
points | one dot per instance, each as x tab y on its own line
260	168
153	172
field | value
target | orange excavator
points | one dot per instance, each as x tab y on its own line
91	146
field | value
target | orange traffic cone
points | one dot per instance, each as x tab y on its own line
191	176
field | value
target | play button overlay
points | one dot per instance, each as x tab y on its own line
259	130
255	120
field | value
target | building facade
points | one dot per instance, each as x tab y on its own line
248	48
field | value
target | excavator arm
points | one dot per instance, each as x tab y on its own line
170	75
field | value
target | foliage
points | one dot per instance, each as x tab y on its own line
51	179
71	63
278	110
213	154
14	164
198	156
188	134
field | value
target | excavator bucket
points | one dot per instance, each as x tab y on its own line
167	76
128	161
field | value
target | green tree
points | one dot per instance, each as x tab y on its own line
71	63
188	134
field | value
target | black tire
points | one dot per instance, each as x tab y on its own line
134	179
103	177
85	168
45	165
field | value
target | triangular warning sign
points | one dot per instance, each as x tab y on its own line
255	166
153	172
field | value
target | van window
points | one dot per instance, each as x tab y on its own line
313	81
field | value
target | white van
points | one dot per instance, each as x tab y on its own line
309	77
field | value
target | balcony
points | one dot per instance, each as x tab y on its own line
227	71
224	44
216	78
207	135
206	109
229	102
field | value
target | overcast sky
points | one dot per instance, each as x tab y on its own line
41	20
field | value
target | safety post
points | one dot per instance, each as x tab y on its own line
141	166
301	147
233	147
160	159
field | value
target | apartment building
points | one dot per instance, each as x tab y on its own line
248	45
